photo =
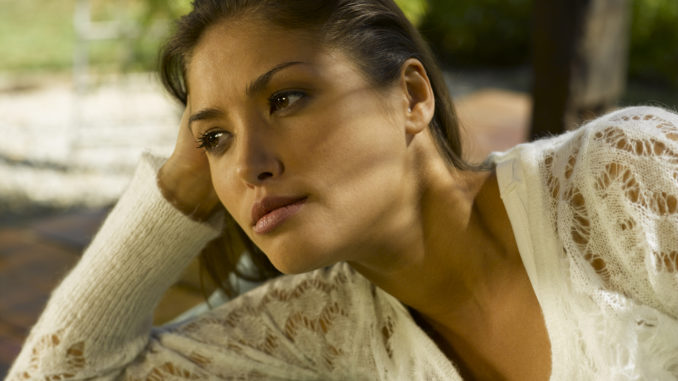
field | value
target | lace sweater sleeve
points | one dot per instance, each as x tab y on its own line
619	204
99	318
324	324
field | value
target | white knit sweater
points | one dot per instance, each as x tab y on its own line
595	216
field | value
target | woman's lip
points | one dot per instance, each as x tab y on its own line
269	213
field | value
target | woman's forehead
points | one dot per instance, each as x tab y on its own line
243	49
230	57
252	39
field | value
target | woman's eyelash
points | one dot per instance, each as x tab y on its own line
217	141
284	99
213	141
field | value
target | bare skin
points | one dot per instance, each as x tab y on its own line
441	229
472	289
184	179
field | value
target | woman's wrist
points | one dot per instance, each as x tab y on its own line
187	191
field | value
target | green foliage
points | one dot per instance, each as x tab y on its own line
413	9
654	40
39	35
32	38
154	20
479	32
497	32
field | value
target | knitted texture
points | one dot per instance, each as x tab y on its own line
595	216
601	206
330	324
614	204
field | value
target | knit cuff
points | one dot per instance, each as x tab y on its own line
139	252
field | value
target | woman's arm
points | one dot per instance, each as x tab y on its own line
99	318
621	185
185	178
97	323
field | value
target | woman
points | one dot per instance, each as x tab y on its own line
325	131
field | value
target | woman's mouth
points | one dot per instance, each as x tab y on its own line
271	212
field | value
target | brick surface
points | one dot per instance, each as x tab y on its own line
11	339
27	277
9	349
33	259
12	239
73	230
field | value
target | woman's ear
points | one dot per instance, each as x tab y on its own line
419	102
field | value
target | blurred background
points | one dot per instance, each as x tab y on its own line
79	102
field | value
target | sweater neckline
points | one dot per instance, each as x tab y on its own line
521	192
418	334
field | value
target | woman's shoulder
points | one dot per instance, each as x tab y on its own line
638	130
640	138
613	191
617	152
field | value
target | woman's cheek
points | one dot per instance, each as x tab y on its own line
223	186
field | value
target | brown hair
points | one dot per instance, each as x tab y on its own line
375	33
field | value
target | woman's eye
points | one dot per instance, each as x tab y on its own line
214	141
281	101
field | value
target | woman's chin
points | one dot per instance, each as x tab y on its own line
296	263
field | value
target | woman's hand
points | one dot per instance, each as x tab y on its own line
184	179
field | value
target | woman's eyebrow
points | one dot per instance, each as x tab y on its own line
205	114
257	86
260	83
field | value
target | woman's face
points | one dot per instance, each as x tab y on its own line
309	158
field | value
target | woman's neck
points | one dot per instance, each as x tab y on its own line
457	263
450	261
452	244
457	266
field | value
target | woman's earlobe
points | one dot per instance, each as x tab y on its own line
415	123
419	95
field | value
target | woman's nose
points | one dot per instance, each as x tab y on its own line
257	161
